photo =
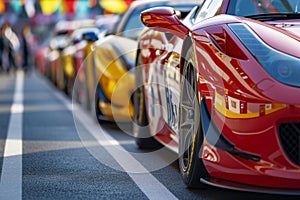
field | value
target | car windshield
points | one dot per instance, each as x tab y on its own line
257	7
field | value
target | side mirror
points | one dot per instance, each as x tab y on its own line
164	19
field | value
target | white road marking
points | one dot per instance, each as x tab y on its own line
147	183
11	176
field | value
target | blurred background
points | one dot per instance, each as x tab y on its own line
42	14
35	22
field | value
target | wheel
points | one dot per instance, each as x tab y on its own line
85	97
190	131
66	85
98	96
142	135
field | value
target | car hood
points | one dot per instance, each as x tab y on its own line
293	26
283	36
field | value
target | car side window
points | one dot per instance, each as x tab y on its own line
209	9
133	26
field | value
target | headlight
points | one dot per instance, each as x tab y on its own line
282	67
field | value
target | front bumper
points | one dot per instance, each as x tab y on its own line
250	161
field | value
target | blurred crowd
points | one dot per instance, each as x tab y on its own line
15	48
26	25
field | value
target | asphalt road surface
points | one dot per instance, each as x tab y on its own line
53	149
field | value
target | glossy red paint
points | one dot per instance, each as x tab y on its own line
246	104
79	56
40	59
225	41
163	19
79	62
248	134
53	65
253	135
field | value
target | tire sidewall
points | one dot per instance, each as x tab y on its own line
195	170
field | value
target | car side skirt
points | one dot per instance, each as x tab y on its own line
247	188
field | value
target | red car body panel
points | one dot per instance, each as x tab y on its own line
274	169
40	58
246	104
79	57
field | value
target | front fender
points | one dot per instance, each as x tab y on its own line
114	57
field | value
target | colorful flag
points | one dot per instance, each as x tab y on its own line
70	6
50	6
115	6
2	6
17	5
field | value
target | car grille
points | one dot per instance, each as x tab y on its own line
289	134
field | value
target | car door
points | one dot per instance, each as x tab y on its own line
161	53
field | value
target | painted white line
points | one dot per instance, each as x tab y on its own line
11	176
147	183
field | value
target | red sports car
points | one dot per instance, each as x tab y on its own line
222	89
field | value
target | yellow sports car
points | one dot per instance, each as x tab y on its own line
113	59
78	64
58	44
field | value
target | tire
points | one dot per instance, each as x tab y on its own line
99	115
190	130
142	135
66	85
97	110
86	97
141	132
